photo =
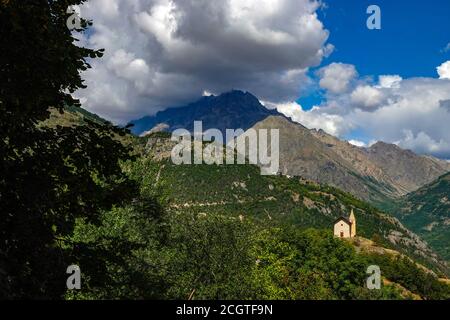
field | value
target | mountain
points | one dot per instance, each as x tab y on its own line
231	110
219	220
318	156
240	191
377	174
427	212
408	170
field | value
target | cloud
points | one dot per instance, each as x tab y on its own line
423	143
445	104
357	143
315	118
162	53
336	77
366	97
413	113
444	70
389	81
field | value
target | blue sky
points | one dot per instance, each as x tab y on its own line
410	43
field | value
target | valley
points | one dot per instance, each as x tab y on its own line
239	195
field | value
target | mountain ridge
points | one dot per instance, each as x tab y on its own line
402	165
318	156
379	173
231	110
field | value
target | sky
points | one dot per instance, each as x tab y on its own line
315	61
411	42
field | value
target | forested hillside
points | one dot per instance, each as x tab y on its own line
226	232
427	212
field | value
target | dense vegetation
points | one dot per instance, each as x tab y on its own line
427	212
220	251
215	257
406	273
234	190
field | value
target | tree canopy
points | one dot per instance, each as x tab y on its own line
48	176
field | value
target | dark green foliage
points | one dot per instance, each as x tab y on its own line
307	264
406	273
40	63
208	256
162	255
169	256
128	243
48	176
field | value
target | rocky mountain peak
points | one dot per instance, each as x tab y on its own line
231	110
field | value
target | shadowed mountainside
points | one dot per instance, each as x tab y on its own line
231	110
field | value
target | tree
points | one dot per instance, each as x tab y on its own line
48	177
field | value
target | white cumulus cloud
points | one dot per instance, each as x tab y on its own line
357	143
423	143
412	112
389	81
163	53
314	119
336	77
444	70
366	97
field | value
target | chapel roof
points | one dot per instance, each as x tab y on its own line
346	220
